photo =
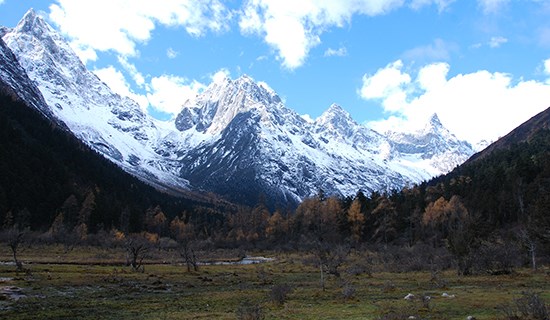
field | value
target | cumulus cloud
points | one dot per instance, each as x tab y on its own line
496	42
475	106
118	25
388	84
118	84
138	78
293	28
220	75
340	52
169	92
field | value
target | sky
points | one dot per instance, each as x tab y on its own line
482	65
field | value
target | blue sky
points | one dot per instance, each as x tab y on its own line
483	66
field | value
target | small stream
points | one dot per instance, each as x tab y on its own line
243	261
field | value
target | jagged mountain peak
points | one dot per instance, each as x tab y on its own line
235	133
33	23
336	121
435	121
223	99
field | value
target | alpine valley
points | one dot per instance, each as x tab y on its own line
236	138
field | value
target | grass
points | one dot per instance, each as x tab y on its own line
83	289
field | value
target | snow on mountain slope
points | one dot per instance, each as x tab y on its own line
112	125
261	146
236	138
13	78
434	147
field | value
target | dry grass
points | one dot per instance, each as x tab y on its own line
97	286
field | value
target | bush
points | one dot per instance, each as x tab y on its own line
528	306
249	311
279	293
496	258
348	291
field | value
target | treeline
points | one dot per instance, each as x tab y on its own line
496	205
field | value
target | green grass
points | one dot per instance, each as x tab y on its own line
168	291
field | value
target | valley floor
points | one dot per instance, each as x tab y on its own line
92	283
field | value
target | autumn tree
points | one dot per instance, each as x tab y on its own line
385	220
86	209
277	227
356	220
460	233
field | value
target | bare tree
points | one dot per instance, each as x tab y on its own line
14	239
530	244
136	251
330	258
184	235
188	254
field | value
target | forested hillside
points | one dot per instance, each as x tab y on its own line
497	201
46	173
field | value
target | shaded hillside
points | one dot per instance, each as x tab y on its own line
523	133
44	172
509	182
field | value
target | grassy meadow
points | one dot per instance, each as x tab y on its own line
93	283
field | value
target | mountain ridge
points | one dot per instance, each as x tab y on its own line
236	138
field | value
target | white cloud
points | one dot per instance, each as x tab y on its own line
220	75
388	84
340	52
474	106
171	53
547	66
307	118
168	92
491	6
85	53
118	25
1	2
496	42
118	84
138	78
293	28
441	4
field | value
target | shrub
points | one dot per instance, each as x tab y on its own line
528	306
348	291
249	311
279	293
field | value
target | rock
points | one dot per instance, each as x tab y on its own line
409	296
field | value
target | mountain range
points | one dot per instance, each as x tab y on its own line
236	138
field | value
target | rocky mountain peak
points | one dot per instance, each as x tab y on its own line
336	120
33	23
234	133
434	121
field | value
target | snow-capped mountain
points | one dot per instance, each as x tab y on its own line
15	81
112	125
236	138
434	146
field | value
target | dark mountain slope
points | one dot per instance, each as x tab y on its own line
509	182
523	133
42	167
